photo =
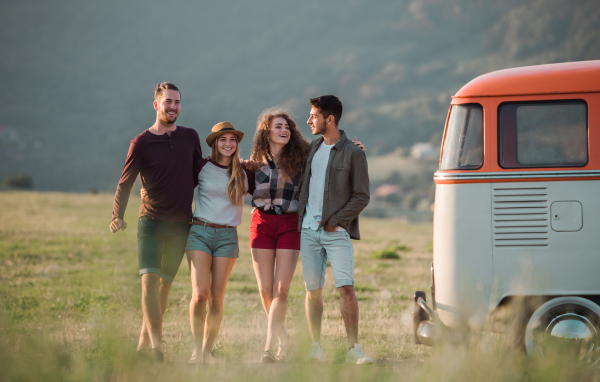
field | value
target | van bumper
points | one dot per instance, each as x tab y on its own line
426	323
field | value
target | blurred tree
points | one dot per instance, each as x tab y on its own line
411	200
21	181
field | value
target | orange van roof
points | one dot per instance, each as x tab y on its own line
569	77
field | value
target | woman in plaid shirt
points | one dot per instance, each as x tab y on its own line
278	157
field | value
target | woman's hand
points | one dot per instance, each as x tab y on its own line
359	144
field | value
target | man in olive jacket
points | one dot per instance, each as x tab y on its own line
335	189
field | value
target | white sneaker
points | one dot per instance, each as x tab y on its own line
316	353
357	356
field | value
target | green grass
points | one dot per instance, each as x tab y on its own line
390	252
70	308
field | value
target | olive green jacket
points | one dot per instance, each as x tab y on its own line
346	185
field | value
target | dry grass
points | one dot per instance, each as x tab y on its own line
63	263
70	292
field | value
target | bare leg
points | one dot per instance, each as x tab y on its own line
163	290
349	308
314	313
221	269
264	267
151	309
286	260
200	265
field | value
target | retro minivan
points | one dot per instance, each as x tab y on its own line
517	207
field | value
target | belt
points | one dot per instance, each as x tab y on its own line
197	221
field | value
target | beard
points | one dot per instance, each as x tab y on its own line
167	119
320	129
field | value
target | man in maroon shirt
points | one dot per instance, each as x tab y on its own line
164	155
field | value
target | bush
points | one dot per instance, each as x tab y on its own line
385	254
378	213
391	252
21	181
401	248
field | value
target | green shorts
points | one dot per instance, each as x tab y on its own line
161	246
217	242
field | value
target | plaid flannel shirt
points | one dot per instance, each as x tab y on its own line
272	192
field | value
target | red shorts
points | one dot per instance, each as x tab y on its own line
274	231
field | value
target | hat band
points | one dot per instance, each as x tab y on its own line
225	129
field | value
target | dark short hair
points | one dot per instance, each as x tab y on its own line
328	105
164	86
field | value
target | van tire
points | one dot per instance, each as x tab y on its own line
570	310
519	310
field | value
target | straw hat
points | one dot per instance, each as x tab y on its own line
222	128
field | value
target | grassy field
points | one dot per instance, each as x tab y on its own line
70	294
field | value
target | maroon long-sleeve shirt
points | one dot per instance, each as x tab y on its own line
166	167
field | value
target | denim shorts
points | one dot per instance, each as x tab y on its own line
316	247
217	242
161	246
274	231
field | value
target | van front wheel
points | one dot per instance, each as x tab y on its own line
562	325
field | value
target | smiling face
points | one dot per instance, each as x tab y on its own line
167	106
279	133
316	121
227	144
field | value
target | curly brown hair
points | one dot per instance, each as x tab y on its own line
293	155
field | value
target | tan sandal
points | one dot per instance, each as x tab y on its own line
268	357
282	353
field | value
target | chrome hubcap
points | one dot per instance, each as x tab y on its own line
571	329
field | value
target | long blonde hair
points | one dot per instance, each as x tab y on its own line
236	187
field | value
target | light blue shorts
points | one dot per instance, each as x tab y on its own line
217	242
316	247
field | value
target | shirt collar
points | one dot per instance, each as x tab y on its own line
339	144
342	140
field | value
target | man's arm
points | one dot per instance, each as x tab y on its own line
132	167
359	183
197	158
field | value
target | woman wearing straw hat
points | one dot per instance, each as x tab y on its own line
212	245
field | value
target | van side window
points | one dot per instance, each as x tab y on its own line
463	145
542	134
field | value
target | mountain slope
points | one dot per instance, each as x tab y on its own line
78	76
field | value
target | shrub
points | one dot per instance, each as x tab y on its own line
391	252
401	248
21	181
385	254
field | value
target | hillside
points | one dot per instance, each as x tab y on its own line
78	76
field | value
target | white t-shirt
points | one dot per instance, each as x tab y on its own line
316	189
212	203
